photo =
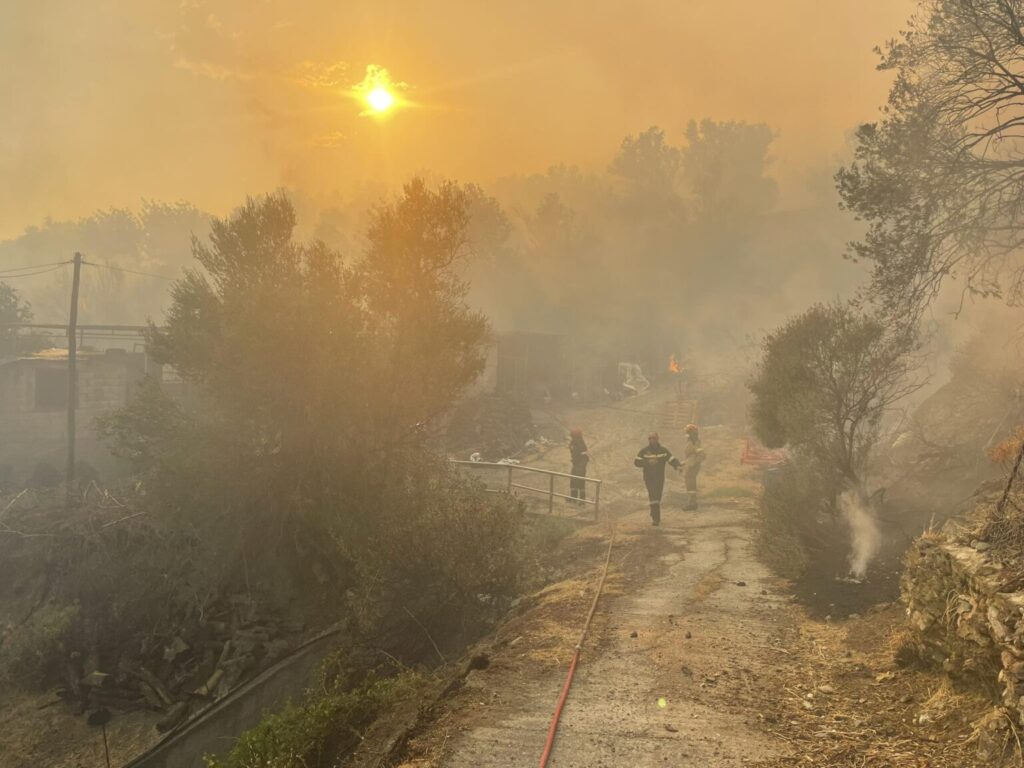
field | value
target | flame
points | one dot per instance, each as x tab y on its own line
673	366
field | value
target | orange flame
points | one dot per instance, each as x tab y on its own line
673	366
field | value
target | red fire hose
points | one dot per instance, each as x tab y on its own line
553	729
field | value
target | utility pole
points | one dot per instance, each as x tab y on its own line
72	374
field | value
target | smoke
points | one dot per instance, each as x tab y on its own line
865	537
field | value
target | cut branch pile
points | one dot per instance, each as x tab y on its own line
112	610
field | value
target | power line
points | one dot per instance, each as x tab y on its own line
28	267
33	274
129	271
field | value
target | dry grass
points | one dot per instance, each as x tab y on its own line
846	708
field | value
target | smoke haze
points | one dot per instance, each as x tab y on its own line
110	102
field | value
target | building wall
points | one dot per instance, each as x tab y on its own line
30	434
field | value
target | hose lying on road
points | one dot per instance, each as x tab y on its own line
553	729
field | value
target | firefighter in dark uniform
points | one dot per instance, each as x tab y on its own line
580	458
652	458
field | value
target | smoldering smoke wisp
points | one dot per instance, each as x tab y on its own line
865	537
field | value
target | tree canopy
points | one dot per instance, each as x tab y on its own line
13	311
940	178
825	381
310	371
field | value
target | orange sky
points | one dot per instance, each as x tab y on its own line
107	102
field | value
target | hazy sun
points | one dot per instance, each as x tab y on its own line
380	100
378	93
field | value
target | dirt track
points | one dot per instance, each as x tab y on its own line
748	678
613	716
688	619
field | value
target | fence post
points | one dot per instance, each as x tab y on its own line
551	494
597	501
510	478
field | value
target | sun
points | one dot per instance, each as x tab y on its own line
378	92
380	99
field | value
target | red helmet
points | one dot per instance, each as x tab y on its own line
692	429
575	432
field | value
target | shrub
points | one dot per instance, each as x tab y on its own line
789	504
825	382
32	653
442	549
317	732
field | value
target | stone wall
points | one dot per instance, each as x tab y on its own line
966	614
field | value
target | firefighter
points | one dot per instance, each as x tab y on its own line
652	458
580	458
693	457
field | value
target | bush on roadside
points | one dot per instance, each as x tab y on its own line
89	584
790	503
442	550
31	653
324	726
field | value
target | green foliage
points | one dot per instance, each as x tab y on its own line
725	168
152	239
939	178
826	380
316	378
320	366
448	549
649	162
794	497
13	310
139	431
98	581
31	654
323	727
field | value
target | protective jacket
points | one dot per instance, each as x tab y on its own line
693	455
579	456
652	459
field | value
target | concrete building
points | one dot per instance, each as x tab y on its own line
34	403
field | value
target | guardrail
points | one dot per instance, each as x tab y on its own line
550	492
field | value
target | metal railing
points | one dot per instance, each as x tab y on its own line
510	486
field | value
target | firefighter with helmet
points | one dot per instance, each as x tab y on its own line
652	459
580	457
693	457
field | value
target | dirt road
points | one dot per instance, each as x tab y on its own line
685	632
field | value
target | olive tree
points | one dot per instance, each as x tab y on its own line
827	378
940	178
